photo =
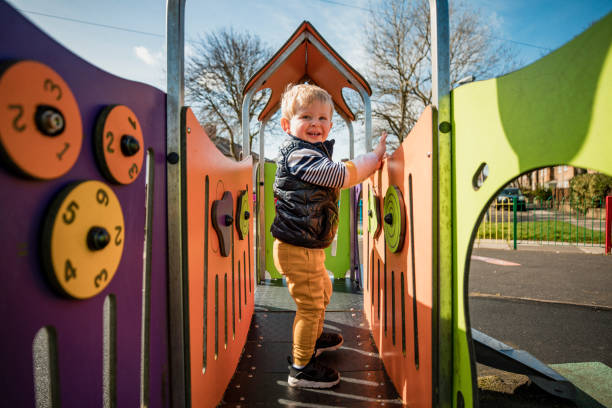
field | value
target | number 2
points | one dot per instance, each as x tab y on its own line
17	126
109	135
118	236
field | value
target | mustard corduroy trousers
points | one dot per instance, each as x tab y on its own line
311	288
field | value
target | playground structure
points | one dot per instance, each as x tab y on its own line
128	238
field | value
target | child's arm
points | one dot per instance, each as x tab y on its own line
363	166
310	166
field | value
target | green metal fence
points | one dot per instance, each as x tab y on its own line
549	222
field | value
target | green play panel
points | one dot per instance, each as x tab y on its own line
337	255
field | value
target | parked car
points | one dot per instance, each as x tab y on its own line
506	199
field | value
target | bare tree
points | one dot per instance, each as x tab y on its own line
399	46
219	67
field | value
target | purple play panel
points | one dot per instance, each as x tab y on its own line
27	302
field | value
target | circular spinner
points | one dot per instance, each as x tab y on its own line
82	239
395	219
242	214
40	125
118	144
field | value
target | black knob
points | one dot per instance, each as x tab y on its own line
389	218
172	157
247	215
129	145
97	238
49	120
229	220
445	127
370	213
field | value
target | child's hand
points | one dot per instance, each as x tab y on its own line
381	147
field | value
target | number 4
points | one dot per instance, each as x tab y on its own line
69	271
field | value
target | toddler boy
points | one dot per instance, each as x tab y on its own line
306	189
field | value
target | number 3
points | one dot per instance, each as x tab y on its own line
102	275
50	86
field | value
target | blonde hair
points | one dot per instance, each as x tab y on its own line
300	95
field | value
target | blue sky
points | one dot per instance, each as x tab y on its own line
542	23
533	27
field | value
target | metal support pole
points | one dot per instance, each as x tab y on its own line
608	224
352	226
349	125
443	200
175	174
261	200
246	104
352	230
368	120
514	204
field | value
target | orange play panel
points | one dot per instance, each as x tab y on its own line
221	288
398	286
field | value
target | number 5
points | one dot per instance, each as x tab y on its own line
70	213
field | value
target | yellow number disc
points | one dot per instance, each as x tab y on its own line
83	237
40	123
118	144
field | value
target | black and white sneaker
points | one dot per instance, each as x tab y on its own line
328	342
313	375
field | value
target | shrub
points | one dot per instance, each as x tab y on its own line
542	194
588	190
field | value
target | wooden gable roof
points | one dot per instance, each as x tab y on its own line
306	56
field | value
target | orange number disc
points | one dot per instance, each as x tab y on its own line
119	144
40	124
83	238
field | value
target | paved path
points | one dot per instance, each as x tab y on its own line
551	332
554	275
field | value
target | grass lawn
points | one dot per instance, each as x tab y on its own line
541	231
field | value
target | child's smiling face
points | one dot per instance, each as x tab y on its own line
311	123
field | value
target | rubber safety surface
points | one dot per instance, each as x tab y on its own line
261	377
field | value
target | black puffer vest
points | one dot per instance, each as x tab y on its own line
306	214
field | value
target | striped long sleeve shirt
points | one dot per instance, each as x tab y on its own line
314	167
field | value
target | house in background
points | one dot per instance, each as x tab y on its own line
555	178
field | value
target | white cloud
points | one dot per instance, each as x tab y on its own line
496	21
146	56
189	50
